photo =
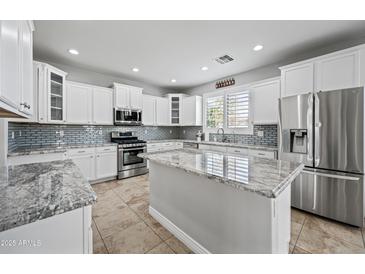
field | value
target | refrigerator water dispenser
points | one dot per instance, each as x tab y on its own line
298	141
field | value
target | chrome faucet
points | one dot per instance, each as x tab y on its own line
223	135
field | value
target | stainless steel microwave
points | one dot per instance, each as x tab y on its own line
127	117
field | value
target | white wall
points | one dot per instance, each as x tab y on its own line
273	69
95	78
3	141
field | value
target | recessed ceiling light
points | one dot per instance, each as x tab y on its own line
258	47
73	51
173	80
204	68
135	69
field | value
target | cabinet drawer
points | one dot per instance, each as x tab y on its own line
80	151
262	153
207	147
218	148
106	149
237	150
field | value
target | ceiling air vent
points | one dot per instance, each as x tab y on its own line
224	59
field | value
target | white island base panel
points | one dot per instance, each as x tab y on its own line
68	232
211	217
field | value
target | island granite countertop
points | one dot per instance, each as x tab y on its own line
32	192
33	150
226	144
267	177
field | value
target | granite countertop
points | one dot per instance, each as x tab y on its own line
266	177
32	150
32	192
238	145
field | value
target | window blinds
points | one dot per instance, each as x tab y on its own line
238	109
215	111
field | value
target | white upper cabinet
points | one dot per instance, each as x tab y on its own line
16	48
192	111
338	72
128	97
79	103
149	110
266	95
175	108
102	108
162	111
297	79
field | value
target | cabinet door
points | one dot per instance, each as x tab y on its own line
78	103
162	111
148	110
27	104
56	96
106	165
102	106
10	89
122	99
338	72
188	111
297	80
135	98
86	163
175	110
265	105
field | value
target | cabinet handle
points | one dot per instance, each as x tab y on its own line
81	151
261	153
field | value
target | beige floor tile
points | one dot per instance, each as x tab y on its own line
138	238
298	250
128	191
291	248
317	241
295	231
298	216
177	246
162	248
98	244
106	203
342	231
116	220
157	227
105	186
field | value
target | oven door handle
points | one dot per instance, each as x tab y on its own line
132	148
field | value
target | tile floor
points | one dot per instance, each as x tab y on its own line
122	224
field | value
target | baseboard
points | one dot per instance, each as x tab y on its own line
178	233
103	180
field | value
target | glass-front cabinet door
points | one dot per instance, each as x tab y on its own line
56	96
175	109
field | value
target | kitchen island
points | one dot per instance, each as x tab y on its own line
220	203
45	208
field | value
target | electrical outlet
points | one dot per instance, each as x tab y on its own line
100	132
20	133
184	131
260	133
170	131
12	135
145	131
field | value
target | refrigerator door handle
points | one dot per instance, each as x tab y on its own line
317	125
280	133
309	127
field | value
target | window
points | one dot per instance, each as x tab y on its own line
228	109
214	112
238	110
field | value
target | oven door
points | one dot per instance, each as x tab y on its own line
128	159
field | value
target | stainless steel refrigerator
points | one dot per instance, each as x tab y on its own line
325	131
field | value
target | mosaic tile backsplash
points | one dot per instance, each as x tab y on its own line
28	134
270	137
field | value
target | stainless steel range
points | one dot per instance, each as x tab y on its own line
129	146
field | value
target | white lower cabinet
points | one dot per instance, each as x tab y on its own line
68	232
106	164
85	160
96	163
262	153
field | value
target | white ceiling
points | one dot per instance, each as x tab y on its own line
163	50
